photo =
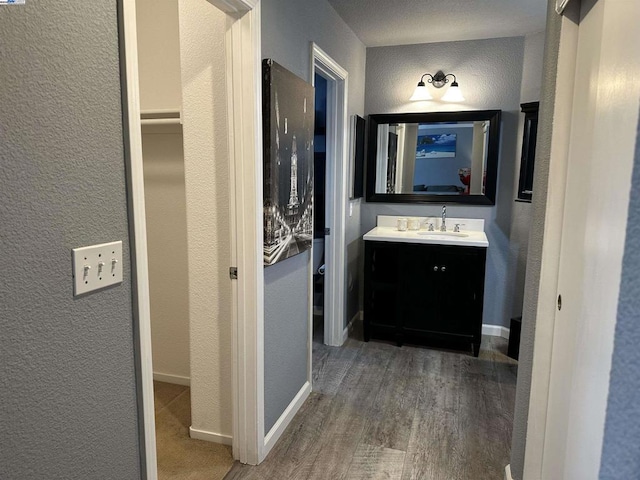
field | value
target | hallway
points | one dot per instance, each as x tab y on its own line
378	411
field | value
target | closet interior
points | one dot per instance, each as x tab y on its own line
164	183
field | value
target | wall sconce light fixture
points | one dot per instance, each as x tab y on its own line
438	80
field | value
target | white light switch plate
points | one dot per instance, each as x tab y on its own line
96	267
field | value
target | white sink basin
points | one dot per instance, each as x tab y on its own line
472	236
444	234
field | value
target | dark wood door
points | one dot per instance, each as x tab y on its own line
419	287
381	287
442	291
458	285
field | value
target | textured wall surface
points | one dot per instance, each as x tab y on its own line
158	54
166	214
533	66
205	131
521	216
621	451
287	30
68	374
381	23
536	240
490	76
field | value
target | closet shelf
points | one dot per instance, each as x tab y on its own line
160	117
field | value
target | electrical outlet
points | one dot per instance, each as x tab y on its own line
96	267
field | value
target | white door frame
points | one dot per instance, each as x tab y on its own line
138	234
245	127
552	237
244	83
584	342
336	202
598	319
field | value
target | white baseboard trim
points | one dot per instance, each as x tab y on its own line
175	379
285	419
507	473
349	327
210	436
495	331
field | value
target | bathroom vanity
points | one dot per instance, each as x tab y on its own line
425	286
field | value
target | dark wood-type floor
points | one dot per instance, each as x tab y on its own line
382	412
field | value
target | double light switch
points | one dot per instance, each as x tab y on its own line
96	267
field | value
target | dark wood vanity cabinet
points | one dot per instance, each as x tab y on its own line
417	293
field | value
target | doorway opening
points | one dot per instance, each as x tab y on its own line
334	97
179	145
319	195
220	412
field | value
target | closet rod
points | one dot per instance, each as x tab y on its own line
161	117
160	113
161	121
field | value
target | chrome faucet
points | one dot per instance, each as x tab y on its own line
443	226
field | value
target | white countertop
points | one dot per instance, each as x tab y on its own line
466	238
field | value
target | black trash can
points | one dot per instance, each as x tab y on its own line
514	337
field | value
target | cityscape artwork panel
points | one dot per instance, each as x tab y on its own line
288	116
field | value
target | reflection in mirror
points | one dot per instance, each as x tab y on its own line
433	157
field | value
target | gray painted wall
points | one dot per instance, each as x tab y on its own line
536	236
287	30
621	450
490	76
285	364
68	374
521	215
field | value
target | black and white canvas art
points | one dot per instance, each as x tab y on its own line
288	115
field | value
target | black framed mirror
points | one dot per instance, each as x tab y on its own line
441	157
525	185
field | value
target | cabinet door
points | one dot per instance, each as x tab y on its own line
442	289
381	275
460	279
419	287
383	308
383	262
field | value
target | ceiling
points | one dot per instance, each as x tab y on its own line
404	22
